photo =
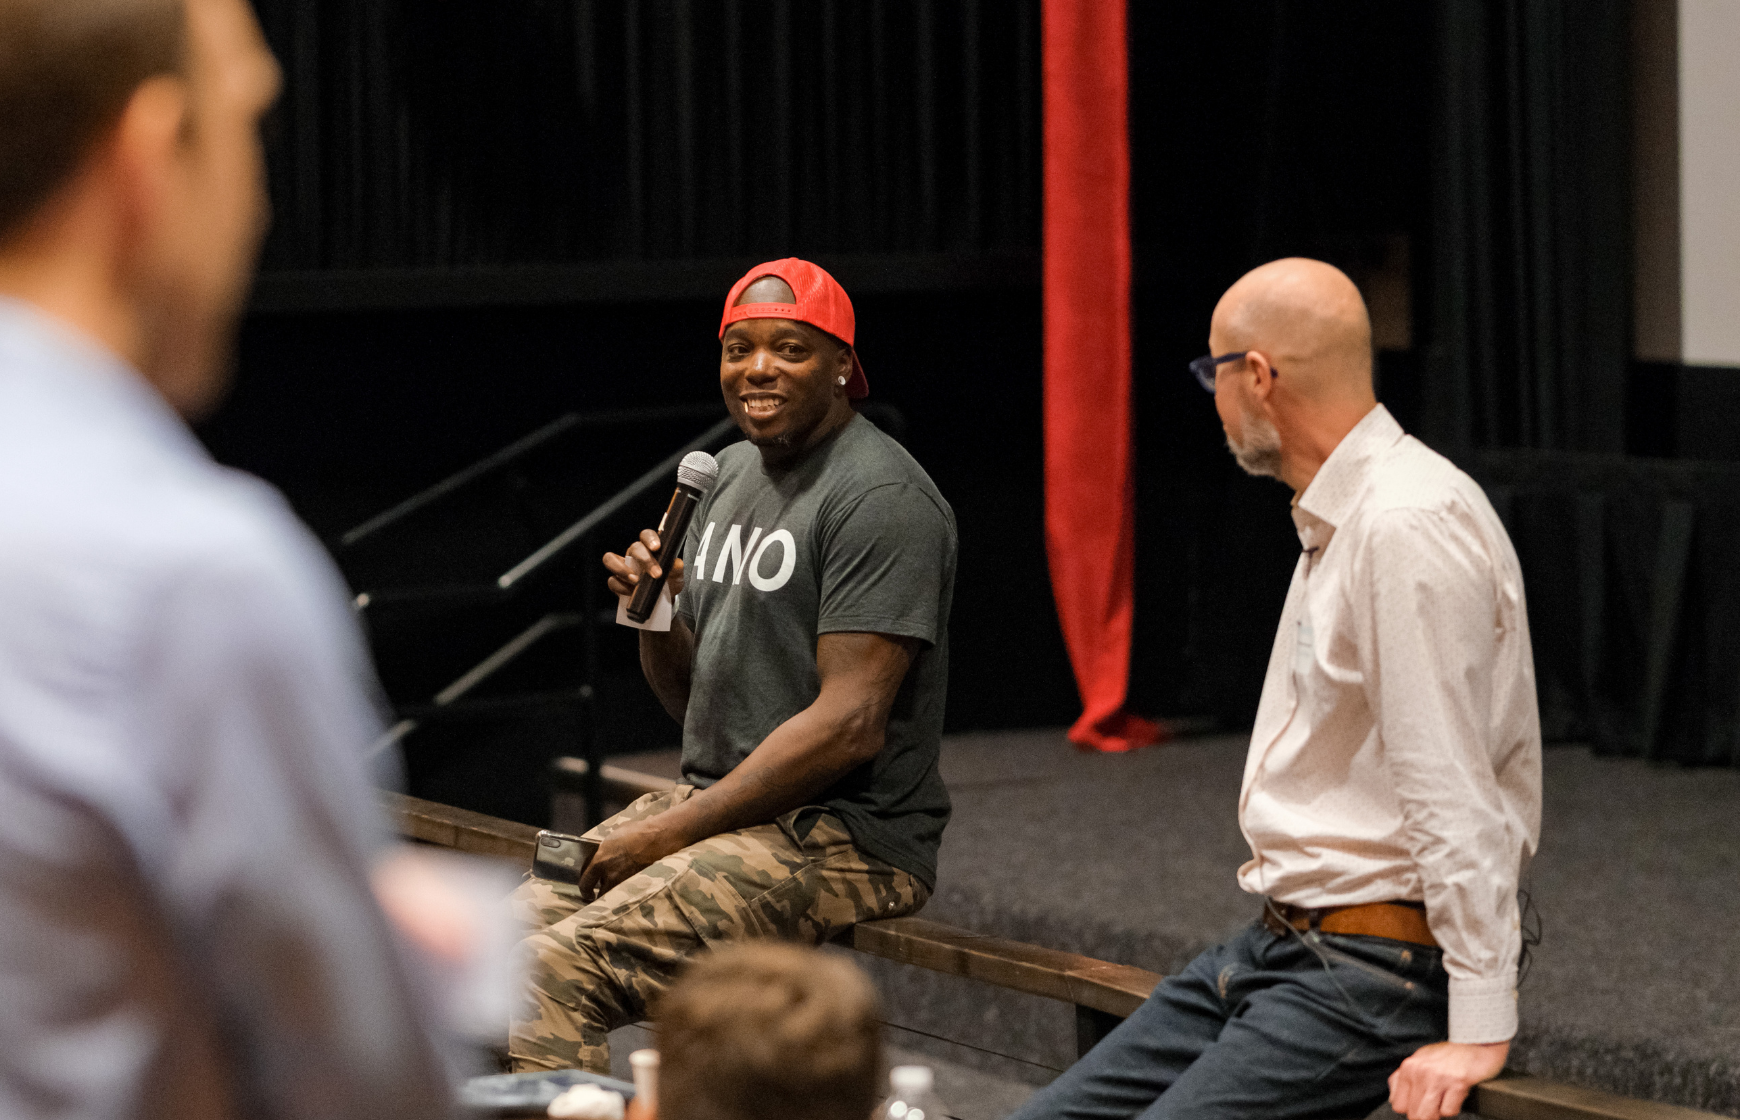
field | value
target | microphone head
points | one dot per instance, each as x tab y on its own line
697	471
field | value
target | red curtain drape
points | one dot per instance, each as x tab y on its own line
1089	489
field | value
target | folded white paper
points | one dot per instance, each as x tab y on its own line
660	619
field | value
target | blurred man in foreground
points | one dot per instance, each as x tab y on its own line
186	828
764	1030
1393	786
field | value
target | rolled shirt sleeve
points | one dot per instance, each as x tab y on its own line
1432	638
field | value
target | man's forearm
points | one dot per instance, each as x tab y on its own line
803	757
667	658
844	728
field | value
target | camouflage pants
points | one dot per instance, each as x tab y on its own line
596	966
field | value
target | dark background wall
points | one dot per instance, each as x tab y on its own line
1258	130
489	214
456	133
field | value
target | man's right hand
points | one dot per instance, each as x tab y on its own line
666	657
1436	1078
640	558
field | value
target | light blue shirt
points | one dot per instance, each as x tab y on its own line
186	823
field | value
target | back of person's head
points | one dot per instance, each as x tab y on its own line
67	69
132	179
768	1030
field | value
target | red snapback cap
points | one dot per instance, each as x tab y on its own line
821	303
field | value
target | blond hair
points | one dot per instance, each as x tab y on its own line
769	1030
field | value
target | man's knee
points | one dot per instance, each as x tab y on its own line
593	976
558	971
566	1013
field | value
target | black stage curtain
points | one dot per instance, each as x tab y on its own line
467	133
1529	308
1634	598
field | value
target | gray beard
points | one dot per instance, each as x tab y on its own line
1260	453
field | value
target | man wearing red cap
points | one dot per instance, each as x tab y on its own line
807	663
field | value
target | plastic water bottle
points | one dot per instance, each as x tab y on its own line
914	1096
645	1104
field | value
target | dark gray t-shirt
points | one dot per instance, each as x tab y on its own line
855	537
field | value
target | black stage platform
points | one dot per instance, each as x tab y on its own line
1635	988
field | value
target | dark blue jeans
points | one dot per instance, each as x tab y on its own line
1264	1026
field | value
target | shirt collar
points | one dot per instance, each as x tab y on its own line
1341	480
63	363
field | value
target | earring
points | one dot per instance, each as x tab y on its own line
841	381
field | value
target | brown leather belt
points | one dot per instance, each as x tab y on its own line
1398	921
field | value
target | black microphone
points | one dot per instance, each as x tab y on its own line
695	475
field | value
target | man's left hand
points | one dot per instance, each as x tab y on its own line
1435	1079
626	851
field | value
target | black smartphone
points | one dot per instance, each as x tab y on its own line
561	858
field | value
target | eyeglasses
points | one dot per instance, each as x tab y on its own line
1205	367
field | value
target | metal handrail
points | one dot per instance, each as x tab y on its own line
476	675
515	450
560	543
507	582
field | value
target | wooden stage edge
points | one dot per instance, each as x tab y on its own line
1099	990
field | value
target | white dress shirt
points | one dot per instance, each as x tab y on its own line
186	825
1397	748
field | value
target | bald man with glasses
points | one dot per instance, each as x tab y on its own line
1392	791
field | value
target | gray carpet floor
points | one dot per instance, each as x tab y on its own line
1635	988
